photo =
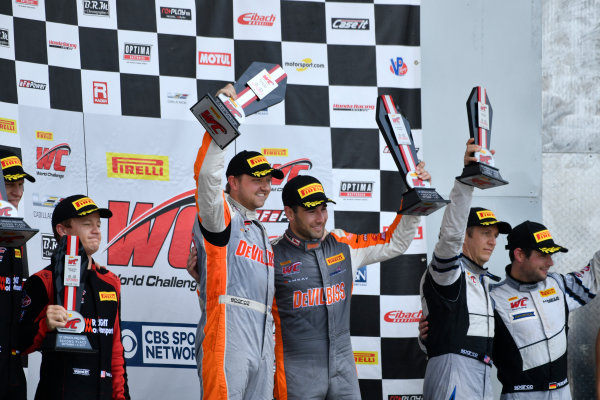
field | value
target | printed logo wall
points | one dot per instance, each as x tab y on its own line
98	99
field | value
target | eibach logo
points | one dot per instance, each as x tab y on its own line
8	125
136	52
47	158
398	67
139	238
399	316
100	92
210	58
256	19
24	83
290	170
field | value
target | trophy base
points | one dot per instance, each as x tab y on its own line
421	201
481	176
14	232
71	342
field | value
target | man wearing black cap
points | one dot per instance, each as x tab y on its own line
234	270
72	375
314	273
456	302
532	307
12	378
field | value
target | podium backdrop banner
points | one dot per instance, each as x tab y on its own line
97	95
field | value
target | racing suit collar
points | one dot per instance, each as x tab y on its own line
307	245
246	213
517	284
479	269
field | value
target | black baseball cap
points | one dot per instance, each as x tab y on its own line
305	191
76	206
12	168
533	235
479	216
251	163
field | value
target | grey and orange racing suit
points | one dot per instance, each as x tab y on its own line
313	286
234	341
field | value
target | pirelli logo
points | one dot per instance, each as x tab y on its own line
17	253
542	235
275	152
254	161
335	259
484	214
108	296
85	201
8	125
547	292
366	357
41	135
310	189
137	166
10	162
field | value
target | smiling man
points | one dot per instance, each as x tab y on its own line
314	273
532	308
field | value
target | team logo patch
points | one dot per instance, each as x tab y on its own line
310	189
108	296
542	235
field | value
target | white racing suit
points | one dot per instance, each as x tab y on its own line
530	345
456	302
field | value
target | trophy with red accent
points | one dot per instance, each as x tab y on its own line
419	197
482	173
260	86
14	231
70	268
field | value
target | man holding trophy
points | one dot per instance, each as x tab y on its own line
75	364
12	382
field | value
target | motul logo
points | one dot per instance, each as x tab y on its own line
136	52
32	85
399	316
255	19
290	170
139	238
100	91
221	59
53	157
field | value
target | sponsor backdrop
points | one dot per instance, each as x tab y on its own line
97	93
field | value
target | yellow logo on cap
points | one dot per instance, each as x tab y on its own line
310	189
257	160
85	201
485	214
549	250
11	161
542	235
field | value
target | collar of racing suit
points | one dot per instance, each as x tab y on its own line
246	213
478	269
522	286
307	245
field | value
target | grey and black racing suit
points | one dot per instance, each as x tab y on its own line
456	302
313	286
530	345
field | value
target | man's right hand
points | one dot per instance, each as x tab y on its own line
228	91
56	317
192	262
423	328
472	148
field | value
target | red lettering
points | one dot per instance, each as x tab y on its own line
5	212
291	170
182	240
72	324
241	249
417	182
297	299
210	120
44	162
485	159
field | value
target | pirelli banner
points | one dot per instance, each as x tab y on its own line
97	96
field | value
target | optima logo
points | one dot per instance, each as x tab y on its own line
219	59
136	52
255	19
8	125
366	357
357	24
137	166
356	189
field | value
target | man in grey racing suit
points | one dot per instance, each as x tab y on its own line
314	273
456	301
532	308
